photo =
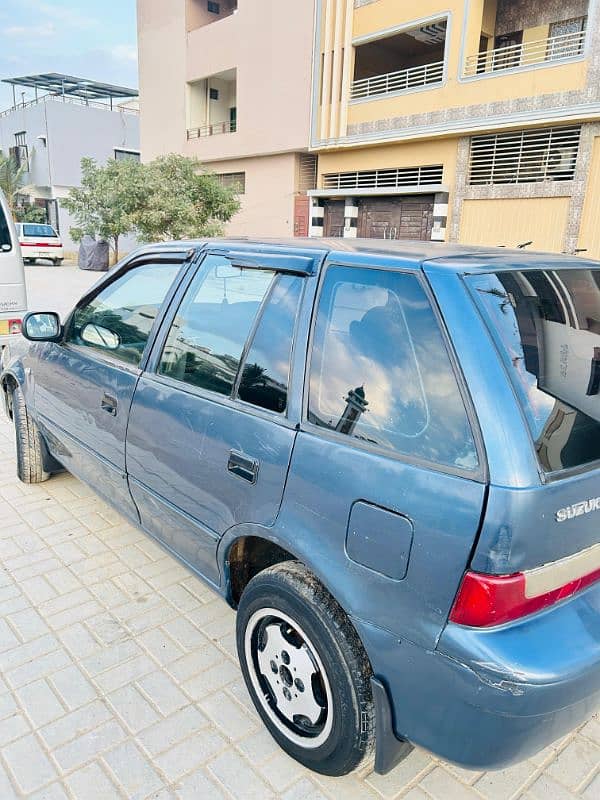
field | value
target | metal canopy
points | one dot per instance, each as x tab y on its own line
69	85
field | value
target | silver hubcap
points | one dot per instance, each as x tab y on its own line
288	677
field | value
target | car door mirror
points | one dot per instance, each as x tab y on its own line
99	336
42	327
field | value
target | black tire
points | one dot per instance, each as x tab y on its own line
58	262
30	468
29	261
342	738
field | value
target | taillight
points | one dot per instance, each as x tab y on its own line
485	600
14	326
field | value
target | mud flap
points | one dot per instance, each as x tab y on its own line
389	750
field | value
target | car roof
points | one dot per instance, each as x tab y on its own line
413	254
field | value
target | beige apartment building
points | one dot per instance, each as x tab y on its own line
229	81
451	120
458	120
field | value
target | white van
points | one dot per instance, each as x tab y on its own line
13	299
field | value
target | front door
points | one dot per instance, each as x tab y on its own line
209	442
333	218
84	384
407	217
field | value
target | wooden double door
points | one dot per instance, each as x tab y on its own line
407	217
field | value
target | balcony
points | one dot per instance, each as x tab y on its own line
212	105
414	59
526	54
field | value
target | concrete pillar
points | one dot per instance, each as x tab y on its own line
440	217
350	218
317	213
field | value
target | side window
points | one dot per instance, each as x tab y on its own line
264	378
118	321
380	371
5	242
204	346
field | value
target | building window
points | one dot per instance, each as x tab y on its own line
20	151
213	94
122	154
307	172
233	180
214	8
527	156
566	38
430	175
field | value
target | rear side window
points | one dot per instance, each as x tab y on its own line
39	231
204	346
5	242
546	324
264	378
118	321
380	371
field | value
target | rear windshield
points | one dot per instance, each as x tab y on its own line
5	242
546	324
39	231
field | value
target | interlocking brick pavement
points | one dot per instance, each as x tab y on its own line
119	679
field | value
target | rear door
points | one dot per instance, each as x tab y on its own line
209	440
85	383
13	301
387	481
545	324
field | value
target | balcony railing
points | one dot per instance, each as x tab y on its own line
211	130
554	48
72	100
400	81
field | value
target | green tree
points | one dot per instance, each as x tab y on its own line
11	179
105	203
31	213
182	201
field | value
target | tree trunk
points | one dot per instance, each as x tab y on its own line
116	239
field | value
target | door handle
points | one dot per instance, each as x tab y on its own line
109	404
243	466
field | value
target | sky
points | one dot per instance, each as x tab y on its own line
85	38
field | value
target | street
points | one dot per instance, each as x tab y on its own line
118	672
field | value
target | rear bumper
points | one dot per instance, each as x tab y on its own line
489	698
42	252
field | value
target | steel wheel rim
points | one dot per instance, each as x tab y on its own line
293	694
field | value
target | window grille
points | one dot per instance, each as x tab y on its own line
307	172
233	180
430	175
526	156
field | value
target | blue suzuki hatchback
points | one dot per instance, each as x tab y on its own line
385	455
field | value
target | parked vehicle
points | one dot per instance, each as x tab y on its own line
385	456
13	300
40	241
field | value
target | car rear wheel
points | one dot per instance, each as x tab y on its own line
58	262
30	465
306	670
